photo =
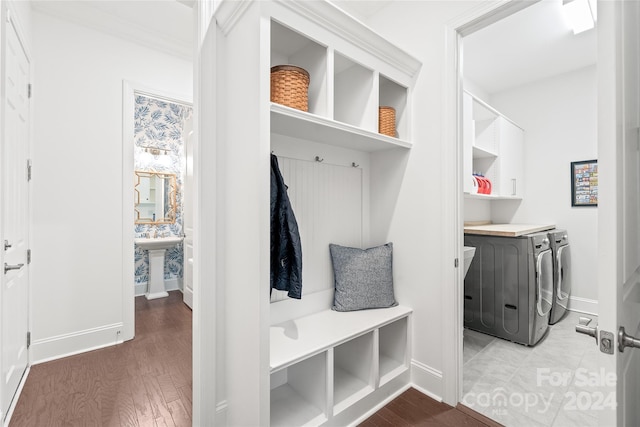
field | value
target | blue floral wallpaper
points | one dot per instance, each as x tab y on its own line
160	124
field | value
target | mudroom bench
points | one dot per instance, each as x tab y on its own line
323	363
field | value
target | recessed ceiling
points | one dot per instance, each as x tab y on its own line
530	45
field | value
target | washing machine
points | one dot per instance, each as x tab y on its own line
561	274
508	291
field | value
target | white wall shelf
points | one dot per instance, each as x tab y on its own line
299	124
480	153
490	197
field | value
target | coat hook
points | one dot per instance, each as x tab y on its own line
319	160
354	165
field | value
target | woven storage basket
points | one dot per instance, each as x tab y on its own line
387	121
290	86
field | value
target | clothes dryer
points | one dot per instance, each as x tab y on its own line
508	290
561	274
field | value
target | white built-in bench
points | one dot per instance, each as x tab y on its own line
325	362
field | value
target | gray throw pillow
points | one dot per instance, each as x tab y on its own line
363	277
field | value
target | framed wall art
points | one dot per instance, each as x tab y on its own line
584	183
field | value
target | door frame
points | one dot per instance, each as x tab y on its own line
129	90
475	19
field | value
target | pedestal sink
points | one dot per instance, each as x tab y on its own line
157	248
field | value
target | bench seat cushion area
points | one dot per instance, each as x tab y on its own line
297	339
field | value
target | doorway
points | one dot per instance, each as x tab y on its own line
156	142
550	148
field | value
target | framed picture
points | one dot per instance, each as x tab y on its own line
584	183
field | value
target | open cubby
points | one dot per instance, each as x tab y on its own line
485	135
394	95
392	347
289	47
355	102
352	371
325	363
298	393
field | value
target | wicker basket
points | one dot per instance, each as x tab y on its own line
387	121
290	86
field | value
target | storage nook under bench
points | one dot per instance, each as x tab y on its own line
323	363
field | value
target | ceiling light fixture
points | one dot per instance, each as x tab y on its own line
580	14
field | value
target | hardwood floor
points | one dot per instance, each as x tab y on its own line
143	382
413	408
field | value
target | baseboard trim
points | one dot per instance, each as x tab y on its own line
583	305
426	380
174	284
381	405
57	347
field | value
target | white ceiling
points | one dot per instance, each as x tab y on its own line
166	25
530	45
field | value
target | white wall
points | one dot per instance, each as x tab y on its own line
77	272
422	269
559	115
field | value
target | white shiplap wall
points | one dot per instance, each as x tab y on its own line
327	200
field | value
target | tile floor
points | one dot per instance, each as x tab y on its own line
554	383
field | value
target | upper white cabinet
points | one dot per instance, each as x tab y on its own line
493	148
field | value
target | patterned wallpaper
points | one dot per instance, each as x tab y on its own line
160	124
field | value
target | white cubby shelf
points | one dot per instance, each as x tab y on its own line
299	124
489	197
323	363
345	89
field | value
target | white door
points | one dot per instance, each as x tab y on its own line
618	210
187	294
15	277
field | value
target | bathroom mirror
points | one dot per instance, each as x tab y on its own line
155	197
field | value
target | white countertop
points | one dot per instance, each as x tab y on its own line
507	230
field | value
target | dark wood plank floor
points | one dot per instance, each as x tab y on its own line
413	408
143	382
